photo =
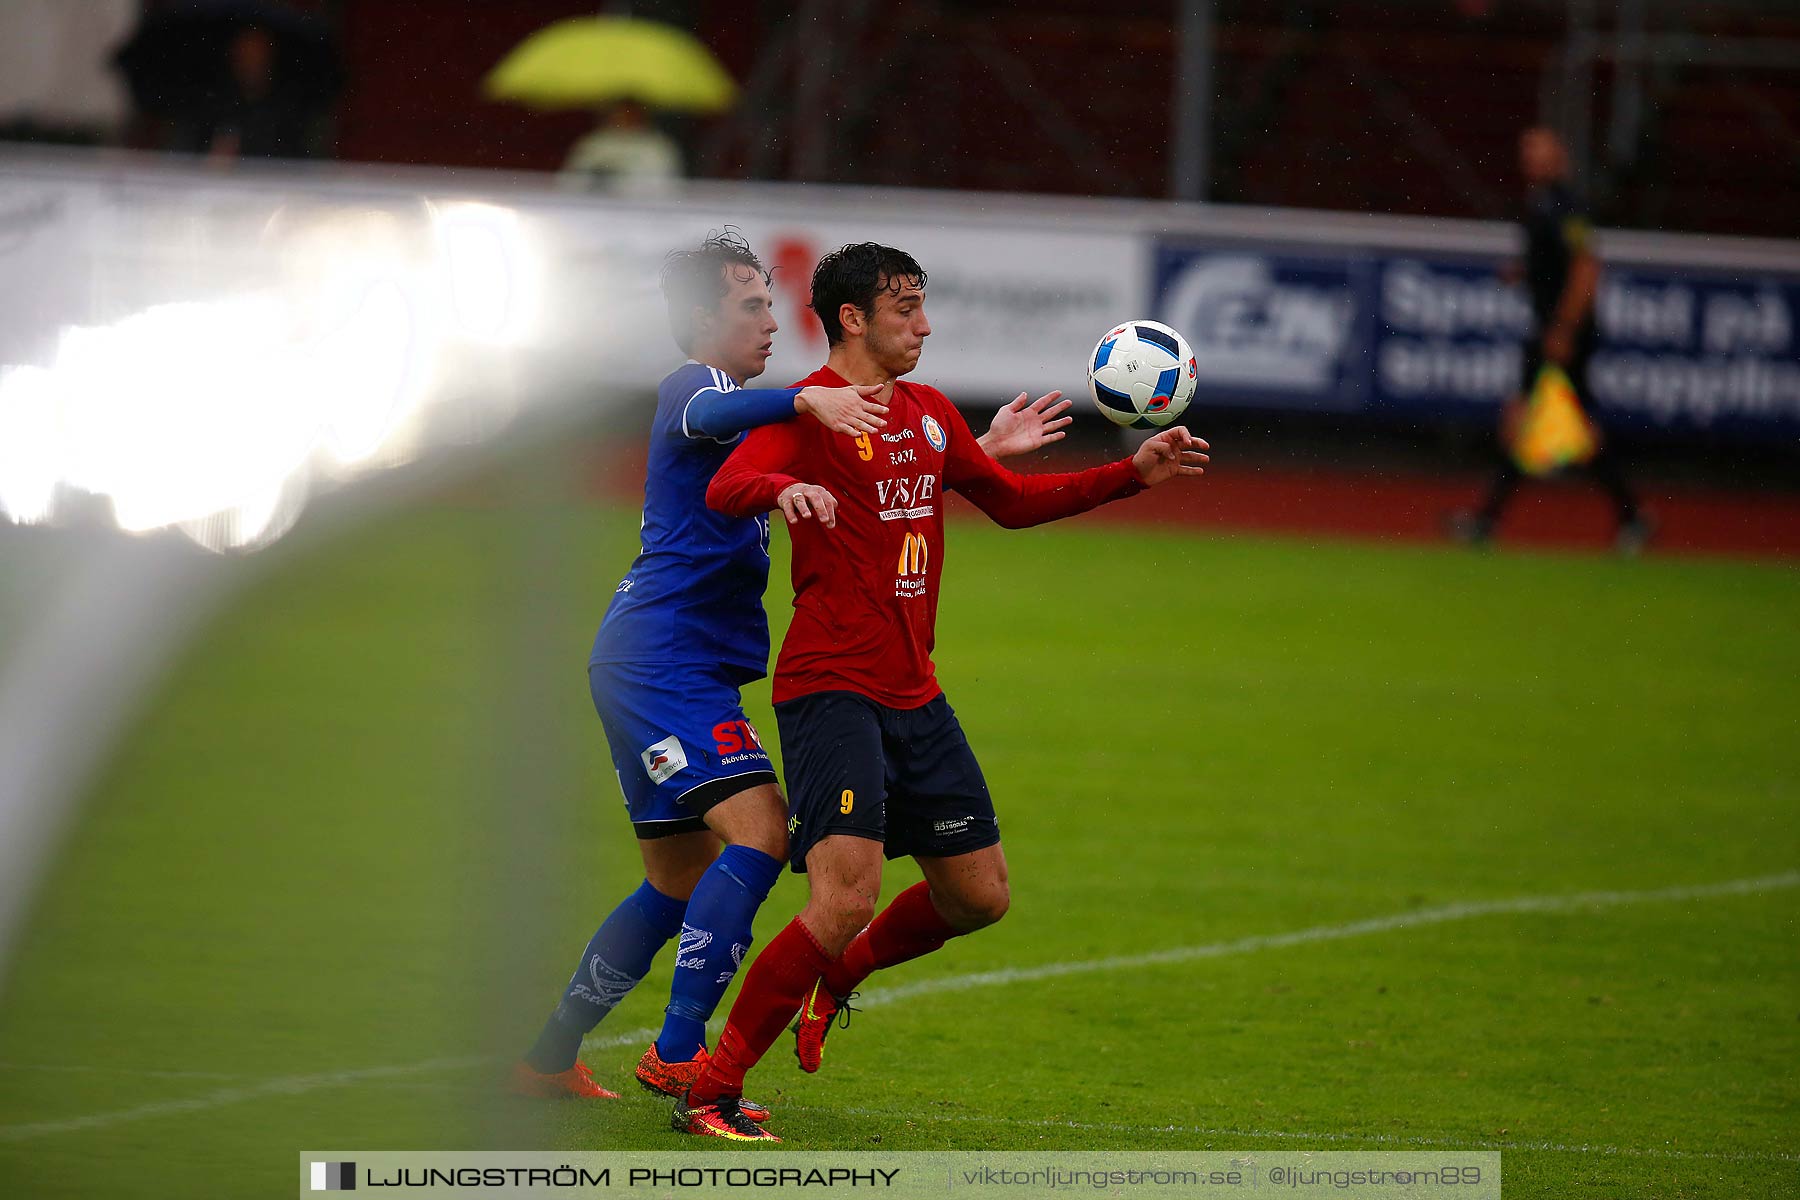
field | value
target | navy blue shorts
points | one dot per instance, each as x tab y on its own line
904	777
680	741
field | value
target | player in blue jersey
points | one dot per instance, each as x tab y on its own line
684	632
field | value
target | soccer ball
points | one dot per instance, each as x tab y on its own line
1142	375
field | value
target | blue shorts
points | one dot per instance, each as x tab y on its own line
904	777
680	741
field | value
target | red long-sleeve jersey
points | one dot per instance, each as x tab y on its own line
866	592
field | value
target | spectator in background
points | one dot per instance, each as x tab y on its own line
233	78
255	117
625	152
1562	274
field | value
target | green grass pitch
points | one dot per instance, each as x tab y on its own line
342	866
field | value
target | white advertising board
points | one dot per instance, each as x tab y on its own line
1011	308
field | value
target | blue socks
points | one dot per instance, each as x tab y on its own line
714	939
618	956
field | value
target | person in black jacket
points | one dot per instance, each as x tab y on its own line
1562	275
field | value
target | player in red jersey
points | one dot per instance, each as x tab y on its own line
876	760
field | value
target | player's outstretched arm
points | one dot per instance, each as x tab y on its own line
1026	425
716	413
1016	500
755	476
852	410
1171	454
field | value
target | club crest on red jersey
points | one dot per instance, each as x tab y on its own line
934	433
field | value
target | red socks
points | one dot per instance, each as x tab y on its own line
776	985
908	927
774	988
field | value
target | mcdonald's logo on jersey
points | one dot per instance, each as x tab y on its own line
915	554
915	558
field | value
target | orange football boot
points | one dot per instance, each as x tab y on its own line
577	1081
721	1119
674	1079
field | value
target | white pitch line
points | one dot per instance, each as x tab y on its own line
145	1072
1577	902
291	1085
299	1084
634	1037
1439	1141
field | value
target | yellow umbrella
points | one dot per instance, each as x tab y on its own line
585	62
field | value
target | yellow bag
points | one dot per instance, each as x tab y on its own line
1552	432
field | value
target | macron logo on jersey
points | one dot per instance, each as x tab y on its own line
662	760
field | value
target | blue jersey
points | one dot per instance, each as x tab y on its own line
694	593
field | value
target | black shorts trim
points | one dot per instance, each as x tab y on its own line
703	798
700	800
649	831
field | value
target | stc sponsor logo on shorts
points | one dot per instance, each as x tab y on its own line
915	561
934	433
737	742
733	736
902	499
662	760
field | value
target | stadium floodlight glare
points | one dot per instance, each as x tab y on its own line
491	271
367	373
218	416
30	462
183	410
186	412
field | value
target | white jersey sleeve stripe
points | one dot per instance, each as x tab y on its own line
685	431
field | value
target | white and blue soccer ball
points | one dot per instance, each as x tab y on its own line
1142	375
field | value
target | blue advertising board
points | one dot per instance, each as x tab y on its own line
1287	330
1438	335
1447	334
1707	351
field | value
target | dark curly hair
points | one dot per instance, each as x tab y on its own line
855	275
696	278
